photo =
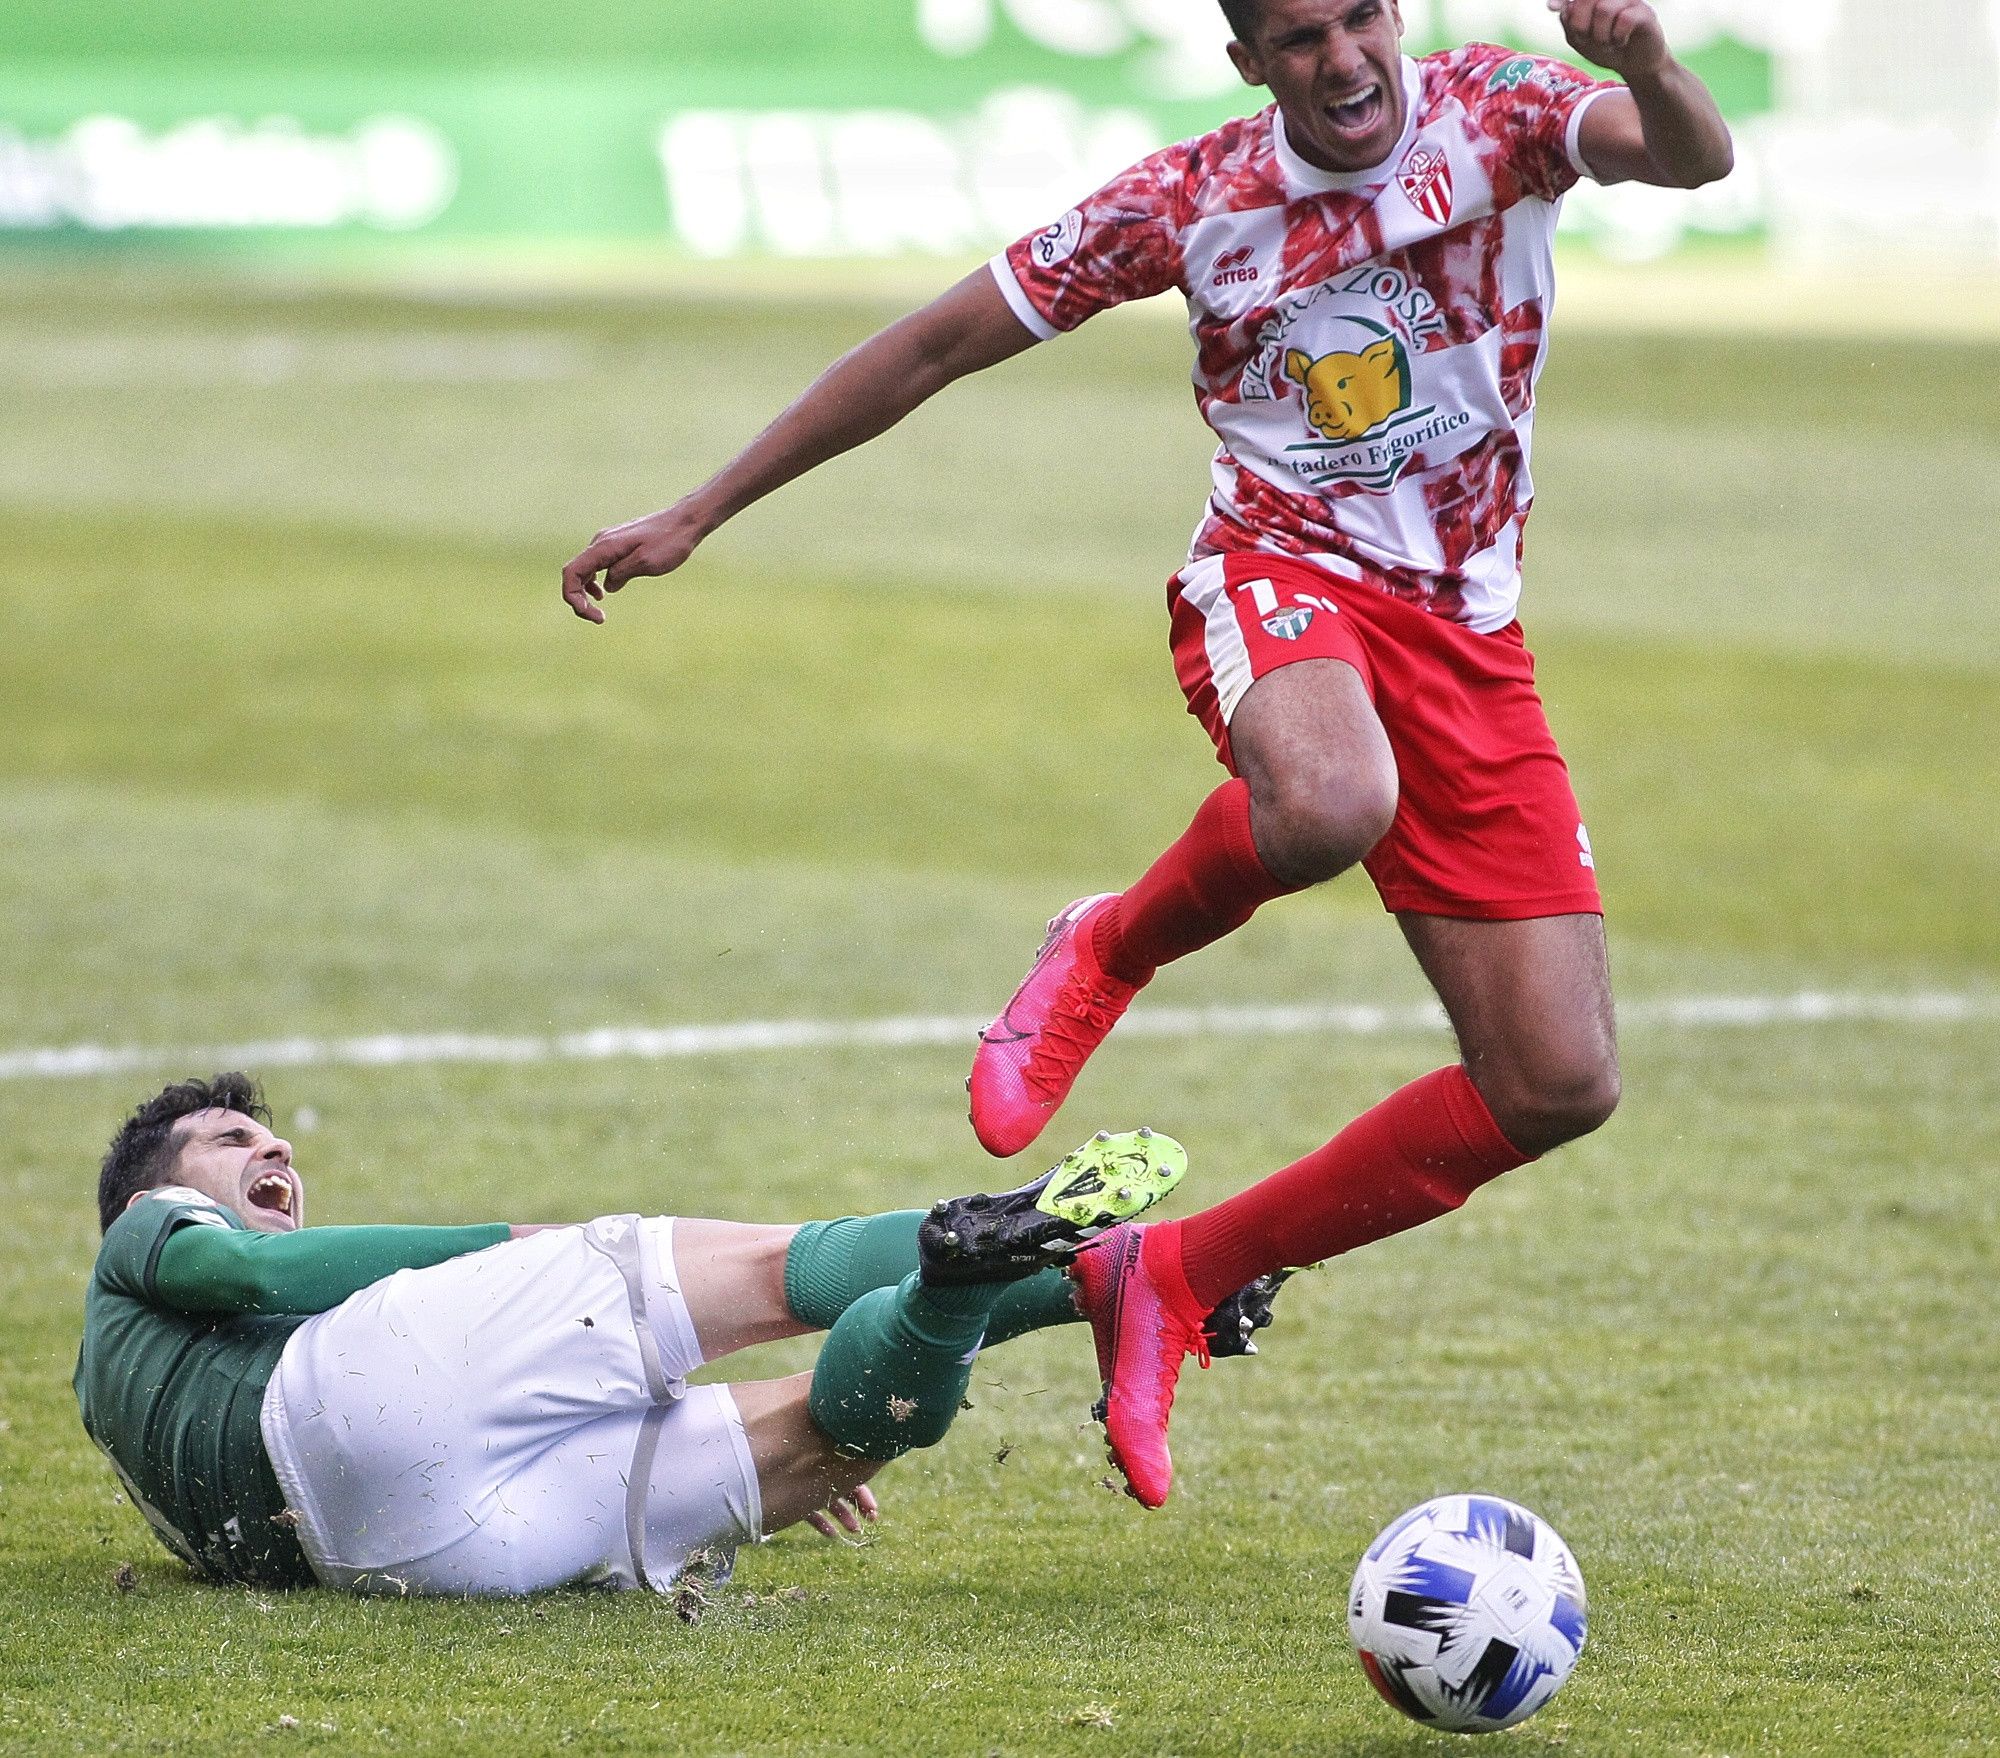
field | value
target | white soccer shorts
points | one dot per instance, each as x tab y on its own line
512	1420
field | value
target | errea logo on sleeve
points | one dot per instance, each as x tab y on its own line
194	1199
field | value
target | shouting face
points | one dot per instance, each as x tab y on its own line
1336	70
243	1166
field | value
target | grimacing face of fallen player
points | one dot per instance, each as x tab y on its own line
1336	70
243	1166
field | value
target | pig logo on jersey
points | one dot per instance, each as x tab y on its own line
1426	180
1348	396
1353	352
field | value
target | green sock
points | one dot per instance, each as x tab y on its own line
831	1264
895	1366
1034	1305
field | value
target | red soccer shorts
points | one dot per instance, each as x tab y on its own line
1486	825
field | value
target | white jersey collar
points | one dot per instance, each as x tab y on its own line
1308	179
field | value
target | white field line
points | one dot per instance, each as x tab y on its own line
680	1043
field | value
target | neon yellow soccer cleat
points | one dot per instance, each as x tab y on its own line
1110	1179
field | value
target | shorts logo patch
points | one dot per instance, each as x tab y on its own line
1426	180
1584	858
1289	624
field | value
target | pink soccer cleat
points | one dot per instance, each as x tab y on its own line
1143	1334
1030	1056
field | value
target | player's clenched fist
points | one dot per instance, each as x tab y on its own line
656	544
1622	35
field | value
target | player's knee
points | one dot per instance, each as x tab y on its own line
1543	1108
1312	828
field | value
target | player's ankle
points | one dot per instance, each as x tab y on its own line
1108	951
1167	1268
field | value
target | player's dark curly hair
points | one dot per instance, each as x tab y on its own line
143	1152
1242	16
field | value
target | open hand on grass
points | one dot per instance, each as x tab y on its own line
850	1511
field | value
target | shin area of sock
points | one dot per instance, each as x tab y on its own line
1417	1155
1208	884
1033	1305
893	1371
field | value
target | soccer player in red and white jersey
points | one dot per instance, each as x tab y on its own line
1368	269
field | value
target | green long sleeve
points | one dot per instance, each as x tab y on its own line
216	1269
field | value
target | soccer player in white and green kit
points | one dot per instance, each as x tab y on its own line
501	1409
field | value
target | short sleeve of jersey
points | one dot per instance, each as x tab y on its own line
1120	244
130	1254
1531	108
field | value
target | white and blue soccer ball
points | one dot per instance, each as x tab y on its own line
1467	1613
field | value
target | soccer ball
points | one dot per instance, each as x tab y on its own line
1467	1614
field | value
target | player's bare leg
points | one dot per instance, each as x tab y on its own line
1322	778
733	1280
1316	790
1531	1004
801	1474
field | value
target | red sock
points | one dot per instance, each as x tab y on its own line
1419	1154
1206	885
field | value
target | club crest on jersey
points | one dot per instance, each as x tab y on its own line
1289	624
1426	180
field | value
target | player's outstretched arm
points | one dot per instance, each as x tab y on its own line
1664	128
863	393
228	1270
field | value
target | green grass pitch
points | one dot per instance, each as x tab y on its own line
295	739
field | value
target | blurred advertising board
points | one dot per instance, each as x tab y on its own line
763	128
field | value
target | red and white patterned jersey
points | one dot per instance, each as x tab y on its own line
1367	343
